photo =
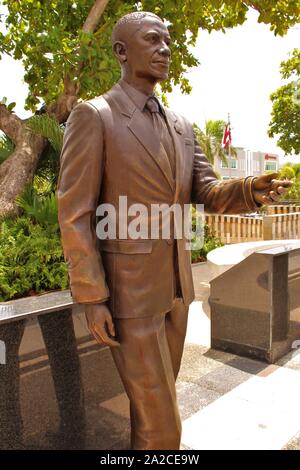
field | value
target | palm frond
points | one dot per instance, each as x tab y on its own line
43	185
6	148
47	127
205	143
48	165
41	206
220	152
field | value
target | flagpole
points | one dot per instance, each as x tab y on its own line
229	149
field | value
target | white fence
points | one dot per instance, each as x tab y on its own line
275	226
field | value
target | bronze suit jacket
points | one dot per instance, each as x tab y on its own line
101	161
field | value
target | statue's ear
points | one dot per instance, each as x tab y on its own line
119	49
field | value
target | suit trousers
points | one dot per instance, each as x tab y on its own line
148	362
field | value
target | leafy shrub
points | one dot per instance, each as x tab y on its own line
287	172
31	258
291	172
293	193
31	254
39	202
210	243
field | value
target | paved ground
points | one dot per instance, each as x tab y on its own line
227	401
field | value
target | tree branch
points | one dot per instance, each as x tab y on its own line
10	124
94	16
19	168
65	103
255	5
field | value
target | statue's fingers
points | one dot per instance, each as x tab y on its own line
266	200
110	325
102	337
282	190
283	183
274	195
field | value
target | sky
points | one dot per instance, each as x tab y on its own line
237	73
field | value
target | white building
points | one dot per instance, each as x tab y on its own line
247	163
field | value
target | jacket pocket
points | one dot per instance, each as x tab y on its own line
126	246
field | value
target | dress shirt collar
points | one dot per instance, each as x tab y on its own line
138	98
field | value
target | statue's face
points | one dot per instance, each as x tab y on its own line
147	50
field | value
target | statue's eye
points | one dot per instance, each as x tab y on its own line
152	38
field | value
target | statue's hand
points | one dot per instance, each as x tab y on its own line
100	324
267	189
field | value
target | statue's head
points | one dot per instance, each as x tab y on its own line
141	43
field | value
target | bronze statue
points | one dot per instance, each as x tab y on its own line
137	291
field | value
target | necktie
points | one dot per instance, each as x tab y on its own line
161	130
153	106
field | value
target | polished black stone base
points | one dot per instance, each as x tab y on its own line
54	381
255	305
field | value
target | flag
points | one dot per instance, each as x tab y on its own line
226	142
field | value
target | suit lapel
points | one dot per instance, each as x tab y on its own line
176	132
138	125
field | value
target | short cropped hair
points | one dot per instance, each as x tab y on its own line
131	18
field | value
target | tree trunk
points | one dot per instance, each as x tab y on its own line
19	168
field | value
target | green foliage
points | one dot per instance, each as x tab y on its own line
48	166
279	14
215	128
31	254
296	168
293	193
40	207
10	106
285	121
286	172
291	172
6	147
47	37
31	258
210	243
47	127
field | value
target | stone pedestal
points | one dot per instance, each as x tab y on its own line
255	301
55	379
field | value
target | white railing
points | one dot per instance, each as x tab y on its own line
281	226
282	209
236	228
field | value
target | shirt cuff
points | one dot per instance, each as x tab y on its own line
248	194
